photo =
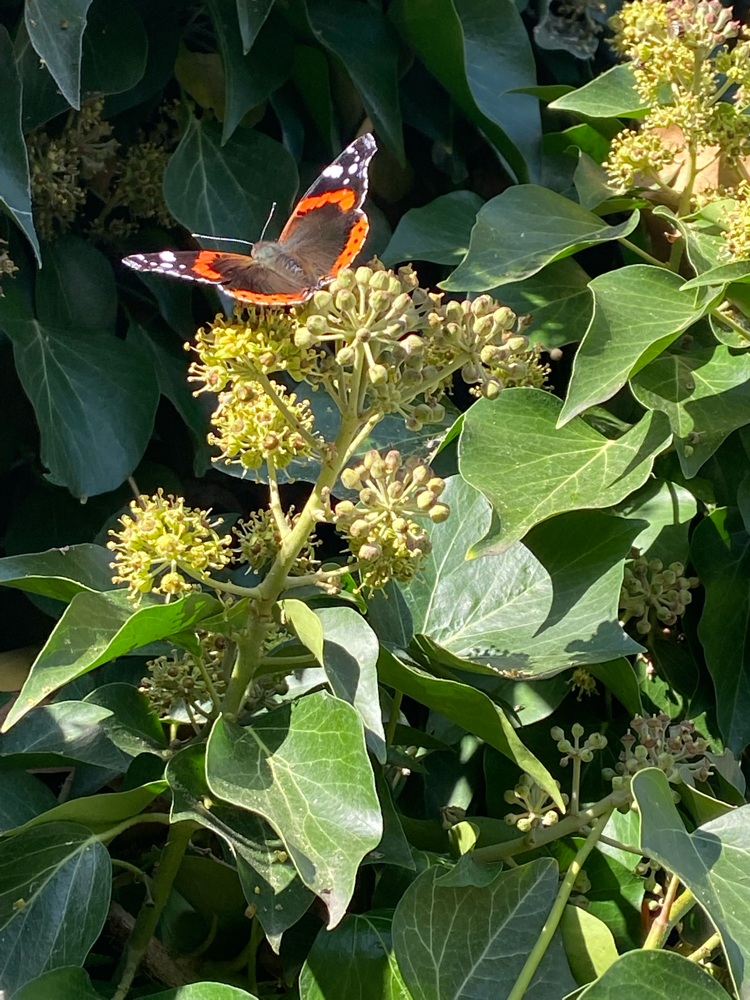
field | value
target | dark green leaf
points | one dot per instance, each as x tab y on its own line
611	95
538	471
68	731
56	31
521	230
438	232
589	945
23	798
76	287
228	190
591	182
59	573
212	888
471	939
558	300
362	39
705	392
270	884
133	726
668	510
654	975
68	983
304	768
15	190
115	48
205	991
251	15
96	628
467	707
713	862
99	812
724	274
53	879
355	961
638	312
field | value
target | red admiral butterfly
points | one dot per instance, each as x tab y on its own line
325	232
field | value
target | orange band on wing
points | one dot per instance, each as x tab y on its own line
354	244
345	198
271	298
202	265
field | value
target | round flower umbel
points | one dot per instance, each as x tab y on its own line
162	541
583	752
180	679
380	529
255	427
259	540
673	749
655	595
537	804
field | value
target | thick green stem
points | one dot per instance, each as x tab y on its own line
659	930
543	942
248	660
148	917
390	729
705	949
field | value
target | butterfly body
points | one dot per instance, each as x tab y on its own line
325	232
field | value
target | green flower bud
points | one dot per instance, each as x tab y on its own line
345	300
425	500
505	318
370	551
345	356
362	275
381	280
346	279
577	729
377	374
517	344
321	300
393	460
439	513
351	480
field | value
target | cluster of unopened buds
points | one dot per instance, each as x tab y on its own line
259	540
537	805
674	749
178	681
162	542
582	752
654	594
380	528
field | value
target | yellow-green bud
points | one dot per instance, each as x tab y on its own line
351	480
439	513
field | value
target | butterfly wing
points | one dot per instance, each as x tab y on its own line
328	228
235	273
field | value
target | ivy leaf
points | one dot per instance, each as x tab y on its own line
438	232
470	937
558	300
133	726
304	768
251	15
538	471
611	95
355	961
99	812
53	877
271	885
523	229
65	731
15	184
96	628
228	190
705	392
60	573
655	975
205	991
638	312
56	29
68	983
23	798
723	275
589	945
713	862
363	40
668	510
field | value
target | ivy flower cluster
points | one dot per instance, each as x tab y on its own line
696	89
536	803
162	542
582	752
184	679
655	595
380	529
674	749
259	539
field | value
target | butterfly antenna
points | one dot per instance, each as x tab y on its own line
223	239
270	216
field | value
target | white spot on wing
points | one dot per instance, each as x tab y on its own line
335	170
165	266
354	167
167	256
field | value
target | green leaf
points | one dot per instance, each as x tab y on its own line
558	300
304	768
438	232
76	287
204	991
212	887
724	274
591	182
668	510
306	624
15	185
638	312
228	190
363	40
59	573
250	79
713	862
65	731
272	885
115	49
619	676
350	657
589	945
23	798
471	939
654	975
538	470
99	812
722	561
434	30
68	983
521	230
467	707
611	95
355	961
705	392
96	628
532	610
133	726
56	31
251	15
52	879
